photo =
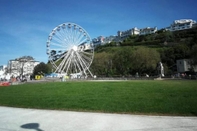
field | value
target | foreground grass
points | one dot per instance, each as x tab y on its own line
135	97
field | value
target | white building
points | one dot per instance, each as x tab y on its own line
98	41
17	68
181	24
109	39
184	65
148	30
2	71
127	33
101	40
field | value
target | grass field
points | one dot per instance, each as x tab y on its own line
168	97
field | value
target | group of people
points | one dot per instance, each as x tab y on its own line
21	78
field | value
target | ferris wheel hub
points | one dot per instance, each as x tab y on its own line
74	48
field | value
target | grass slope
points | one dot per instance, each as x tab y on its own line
135	97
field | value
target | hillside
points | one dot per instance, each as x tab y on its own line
170	47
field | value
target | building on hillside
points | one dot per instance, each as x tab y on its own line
127	33
148	30
3	69
16	67
101	40
109	39
98	41
182	24
184	65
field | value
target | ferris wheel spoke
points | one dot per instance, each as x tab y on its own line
88	59
61	35
80	37
67	36
57	40
78	34
68	59
64	36
60	66
56	35
80	64
63	58
77	59
86	53
75	35
81	42
85	58
76	66
82	61
70	35
68	64
57	44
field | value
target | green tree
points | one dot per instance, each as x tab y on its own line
144	60
194	54
102	64
41	69
181	51
122	61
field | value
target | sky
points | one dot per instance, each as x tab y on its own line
26	24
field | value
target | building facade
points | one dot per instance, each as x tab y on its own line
127	33
148	30
101	40
184	65
17	68
181	24
3	69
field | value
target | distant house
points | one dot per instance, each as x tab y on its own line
2	71
127	33
181	24
101	40
17	68
148	30
98	41
184	65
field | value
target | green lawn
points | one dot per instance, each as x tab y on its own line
168	97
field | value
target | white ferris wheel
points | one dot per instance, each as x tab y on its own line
70	49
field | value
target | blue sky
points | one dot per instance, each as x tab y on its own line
26	24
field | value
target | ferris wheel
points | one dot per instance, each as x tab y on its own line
70	49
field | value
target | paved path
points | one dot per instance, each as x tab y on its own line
18	119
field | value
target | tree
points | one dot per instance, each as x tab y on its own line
181	51
122	61
102	64
144	60
41	69
194	54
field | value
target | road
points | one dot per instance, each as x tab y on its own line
19	119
